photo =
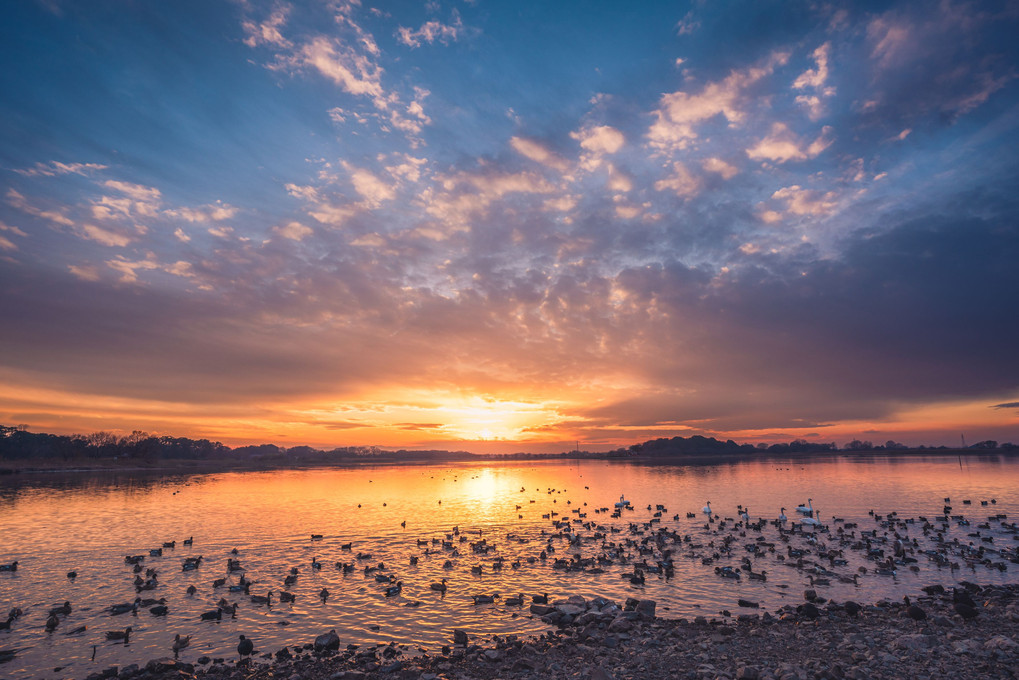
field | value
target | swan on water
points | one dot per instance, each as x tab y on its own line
811	521
781	515
707	509
807	509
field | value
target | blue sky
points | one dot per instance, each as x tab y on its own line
510	225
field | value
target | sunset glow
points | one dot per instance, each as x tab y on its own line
505	227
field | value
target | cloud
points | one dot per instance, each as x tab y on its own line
816	78
718	166
679	113
355	73
534	151
268	31
104	236
54	168
6	243
128	269
1010	404
599	139
781	145
207	213
295	231
370	187
681	182
17	200
806	202
936	60
431	32
85	273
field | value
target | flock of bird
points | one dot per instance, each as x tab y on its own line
733	548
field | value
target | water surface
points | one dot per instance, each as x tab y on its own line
53	524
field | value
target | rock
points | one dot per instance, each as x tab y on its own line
204	660
646	608
327	641
542	609
129	670
1001	643
459	637
569	609
524	664
747	673
393	667
809	611
620	625
966	646
492	654
809	594
913	642
600	674
749	604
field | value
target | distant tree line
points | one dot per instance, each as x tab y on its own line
18	444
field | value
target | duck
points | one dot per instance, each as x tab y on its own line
180	643
514	601
51	623
216	614
245	647
259	599
441	587
394	590
62	610
190	540
484	599
286	597
323	595
119	634
192	590
540	599
159	610
125	607
13	566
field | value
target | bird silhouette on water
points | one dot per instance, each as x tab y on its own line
245	647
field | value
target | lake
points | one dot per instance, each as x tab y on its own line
55	523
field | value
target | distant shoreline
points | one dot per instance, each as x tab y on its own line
105	465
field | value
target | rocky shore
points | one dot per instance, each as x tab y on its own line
971	632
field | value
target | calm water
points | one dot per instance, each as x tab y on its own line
55	524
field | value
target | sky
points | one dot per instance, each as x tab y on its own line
510	226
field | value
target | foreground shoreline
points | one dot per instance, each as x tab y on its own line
598	640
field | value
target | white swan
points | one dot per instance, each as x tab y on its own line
707	509
807	509
745	514
781	515
811	521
